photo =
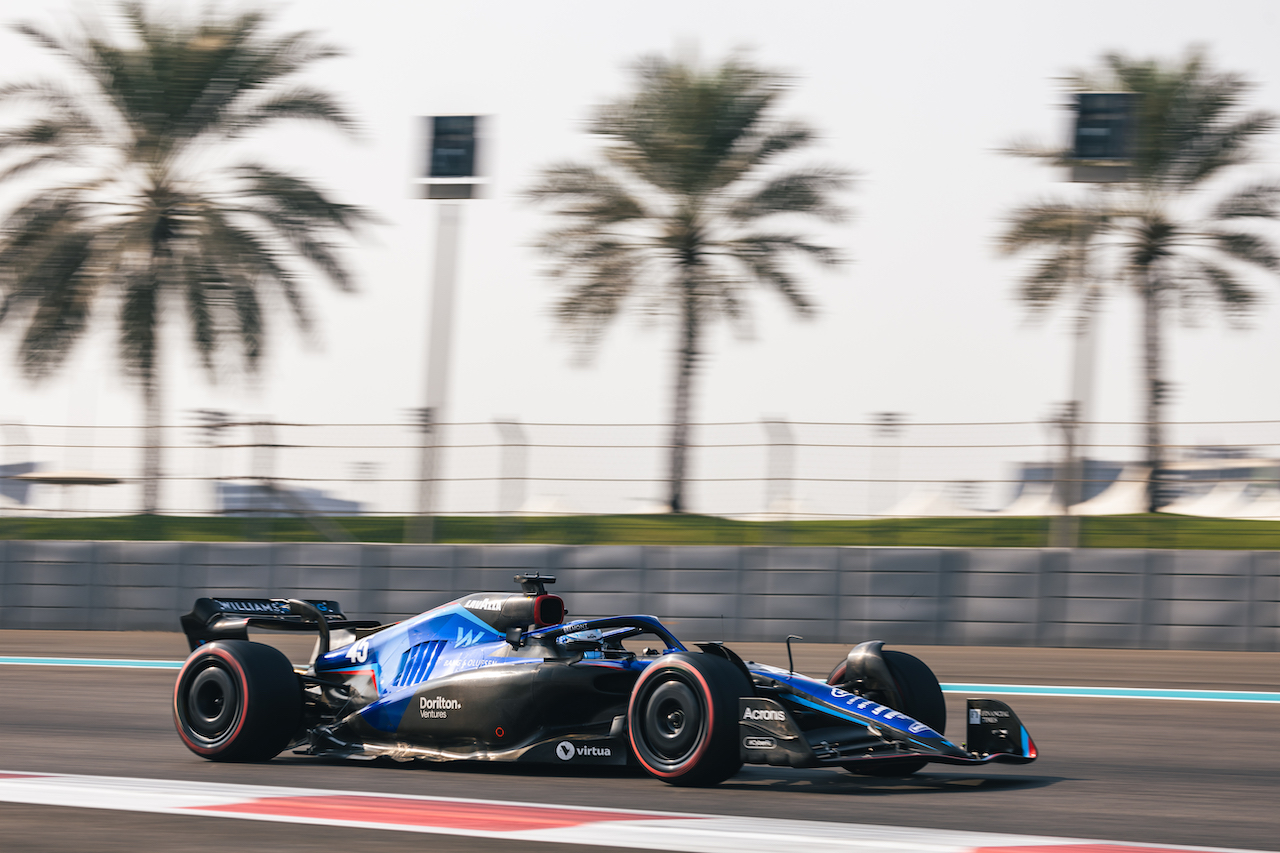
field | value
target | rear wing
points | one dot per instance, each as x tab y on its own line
230	618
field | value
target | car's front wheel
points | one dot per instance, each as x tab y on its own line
683	719
237	701
921	699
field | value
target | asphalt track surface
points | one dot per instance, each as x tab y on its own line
1140	771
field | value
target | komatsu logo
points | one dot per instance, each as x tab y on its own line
485	604
763	714
468	638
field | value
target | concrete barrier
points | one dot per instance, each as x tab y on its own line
1041	597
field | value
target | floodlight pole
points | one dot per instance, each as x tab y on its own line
1101	154
512	477
438	351
781	464
451	174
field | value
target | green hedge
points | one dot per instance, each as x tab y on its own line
1134	531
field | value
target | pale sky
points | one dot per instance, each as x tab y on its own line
915	97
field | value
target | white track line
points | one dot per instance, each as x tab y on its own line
520	822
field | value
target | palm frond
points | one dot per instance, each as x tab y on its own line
1257	201
41	37
237	250
37	161
802	191
1050	278
301	103
588	253
249	318
1248	248
679	130
320	254
44	92
297	199
767	144
595	295
61	311
42	133
779	244
765	257
45	255
1035	150
660	224
1223	148
1049	223
1231	294
767	268
169	85
583	192
201	295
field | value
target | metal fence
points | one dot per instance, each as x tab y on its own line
767	469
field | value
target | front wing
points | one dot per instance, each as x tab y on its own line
769	735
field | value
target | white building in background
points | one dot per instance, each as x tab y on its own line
276	501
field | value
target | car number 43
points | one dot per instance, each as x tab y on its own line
359	652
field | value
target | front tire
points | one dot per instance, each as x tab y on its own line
922	700
237	701
683	719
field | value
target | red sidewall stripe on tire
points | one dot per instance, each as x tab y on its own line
243	685
706	699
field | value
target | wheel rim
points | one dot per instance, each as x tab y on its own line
673	722
212	704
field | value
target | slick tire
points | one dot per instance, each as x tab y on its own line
683	719
237	701
922	700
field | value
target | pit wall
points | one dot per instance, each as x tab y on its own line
1036	597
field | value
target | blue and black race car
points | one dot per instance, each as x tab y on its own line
503	677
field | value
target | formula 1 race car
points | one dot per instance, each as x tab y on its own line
503	677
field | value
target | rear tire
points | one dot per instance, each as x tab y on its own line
683	719
922	700
237	701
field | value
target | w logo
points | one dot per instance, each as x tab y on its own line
469	638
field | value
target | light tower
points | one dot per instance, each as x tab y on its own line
451	174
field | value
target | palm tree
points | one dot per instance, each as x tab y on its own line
679	218
145	203
1151	232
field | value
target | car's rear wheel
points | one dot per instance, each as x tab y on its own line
237	701
683	719
921	699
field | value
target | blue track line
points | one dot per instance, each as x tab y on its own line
1114	692
988	689
96	662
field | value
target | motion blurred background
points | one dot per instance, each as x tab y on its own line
922	386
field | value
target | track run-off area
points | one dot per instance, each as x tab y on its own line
89	760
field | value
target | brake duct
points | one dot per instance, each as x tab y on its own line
865	671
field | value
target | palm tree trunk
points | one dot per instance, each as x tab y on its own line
686	362
1152	362
154	440
141	321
